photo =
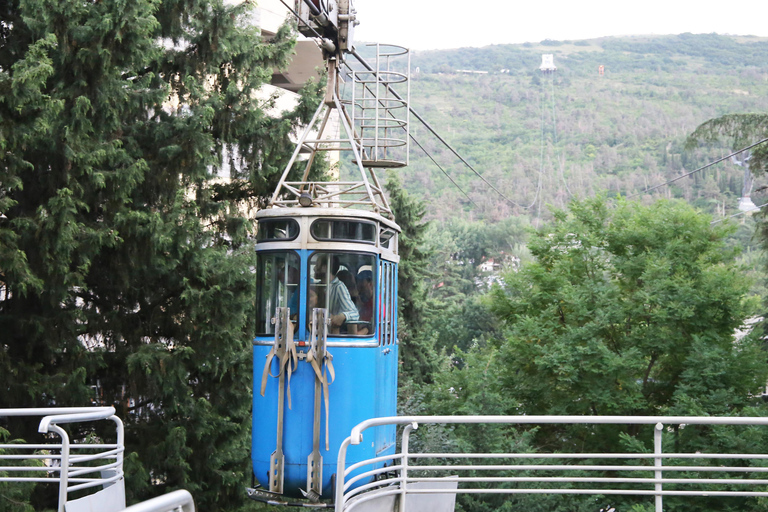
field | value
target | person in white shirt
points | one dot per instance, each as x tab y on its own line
341	307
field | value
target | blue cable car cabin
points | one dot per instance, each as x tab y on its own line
325	352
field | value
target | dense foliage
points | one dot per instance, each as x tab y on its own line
124	278
626	309
623	312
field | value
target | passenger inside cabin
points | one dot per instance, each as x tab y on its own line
365	307
346	277
341	308
312	303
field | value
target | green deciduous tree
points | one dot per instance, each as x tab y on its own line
124	274
460	249
626	310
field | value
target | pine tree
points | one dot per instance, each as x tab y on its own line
417	344
125	276
743	130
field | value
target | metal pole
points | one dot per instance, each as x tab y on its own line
120	431
404	462
341	464
299	143
353	105
657	431
64	467
375	152
408	114
356	434
177	501
358	159
56	411
314	151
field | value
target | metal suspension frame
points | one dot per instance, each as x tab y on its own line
369	151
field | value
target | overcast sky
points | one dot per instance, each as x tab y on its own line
431	24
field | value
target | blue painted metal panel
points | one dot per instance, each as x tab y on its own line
365	387
353	398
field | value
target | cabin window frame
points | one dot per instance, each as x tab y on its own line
292	223
391	236
376	300
259	308
346	240
387	311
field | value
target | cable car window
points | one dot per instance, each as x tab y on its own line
347	230
278	275
387	293
385	237
344	283
277	229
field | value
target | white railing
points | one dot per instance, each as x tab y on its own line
658	474
63	463
173	501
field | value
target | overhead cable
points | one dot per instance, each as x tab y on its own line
429	127
427	153
554	131
757	208
700	168
443	170
541	154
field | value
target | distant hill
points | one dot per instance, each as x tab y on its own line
542	139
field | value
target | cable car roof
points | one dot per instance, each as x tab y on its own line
325	212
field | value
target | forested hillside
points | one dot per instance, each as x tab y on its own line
574	133
546	139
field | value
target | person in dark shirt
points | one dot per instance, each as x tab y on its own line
365	293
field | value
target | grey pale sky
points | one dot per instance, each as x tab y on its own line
432	24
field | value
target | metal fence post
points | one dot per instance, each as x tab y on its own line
657	431
404	462
63	467
341	464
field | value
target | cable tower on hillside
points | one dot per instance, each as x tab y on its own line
548	68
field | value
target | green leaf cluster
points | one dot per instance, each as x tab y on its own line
627	310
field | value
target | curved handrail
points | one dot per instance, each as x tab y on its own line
102	413
165	503
51	411
70	478
356	435
348	495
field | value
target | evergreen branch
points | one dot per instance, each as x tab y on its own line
739	127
